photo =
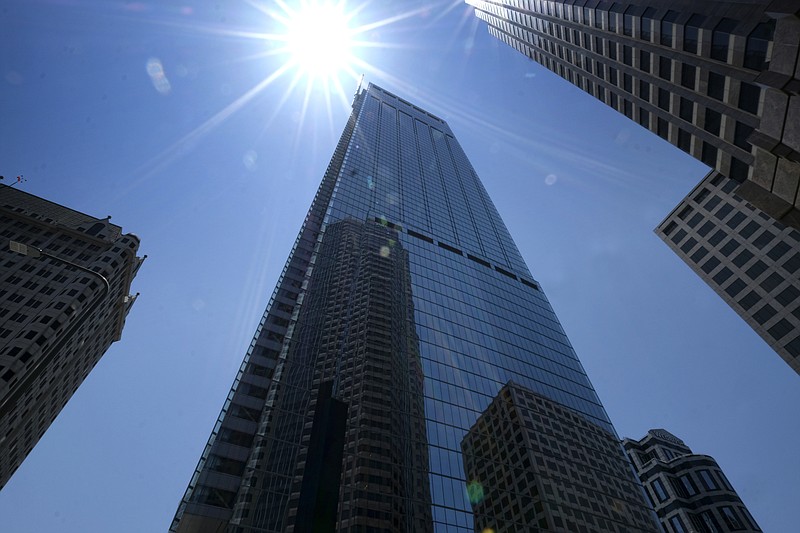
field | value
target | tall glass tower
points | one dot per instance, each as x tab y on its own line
376	372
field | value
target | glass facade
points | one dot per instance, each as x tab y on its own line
406	296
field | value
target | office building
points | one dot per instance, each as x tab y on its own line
689	491
539	464
403	309
64	295
749	259
717	79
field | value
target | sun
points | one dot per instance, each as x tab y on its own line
319	40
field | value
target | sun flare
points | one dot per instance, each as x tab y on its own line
319	39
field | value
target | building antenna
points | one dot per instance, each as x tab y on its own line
19	179
360	82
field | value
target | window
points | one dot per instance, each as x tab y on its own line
644	117
729	247
677	525
627	55
764	314
764	239
750	299
739	170
646	24
717	238
627	83
658	489
668	27
644	90
627	22
730	518
778	251
740	135
709	155
684	141
709	521
598	16
723	275
758	268
721	38
735	287
781	328
716	86
691	32
644	60
688	76
612	75
713	121
663	129
699	254
755	54
772	281
686	109
710	265
665	68
742	259
612	17
749	95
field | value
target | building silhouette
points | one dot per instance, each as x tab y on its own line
65	279
403	309
717	79
689	491
538	464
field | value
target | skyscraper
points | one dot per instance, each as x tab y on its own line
717	79
749	259
64	296
403	309
689	491
538	464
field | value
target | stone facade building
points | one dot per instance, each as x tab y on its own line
718	79
689	491
61	307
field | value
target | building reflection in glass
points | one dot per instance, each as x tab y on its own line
534	463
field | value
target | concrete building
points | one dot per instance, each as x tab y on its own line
689	491
749	259
566	473
65	279
403	309
718	79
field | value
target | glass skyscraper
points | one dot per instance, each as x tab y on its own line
403	310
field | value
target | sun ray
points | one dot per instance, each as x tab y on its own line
389	20
174	150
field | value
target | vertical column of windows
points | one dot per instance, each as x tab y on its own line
415	202
460	209
437	197
387	172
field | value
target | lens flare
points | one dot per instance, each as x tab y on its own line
475	492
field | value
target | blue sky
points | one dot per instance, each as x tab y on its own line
217	191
